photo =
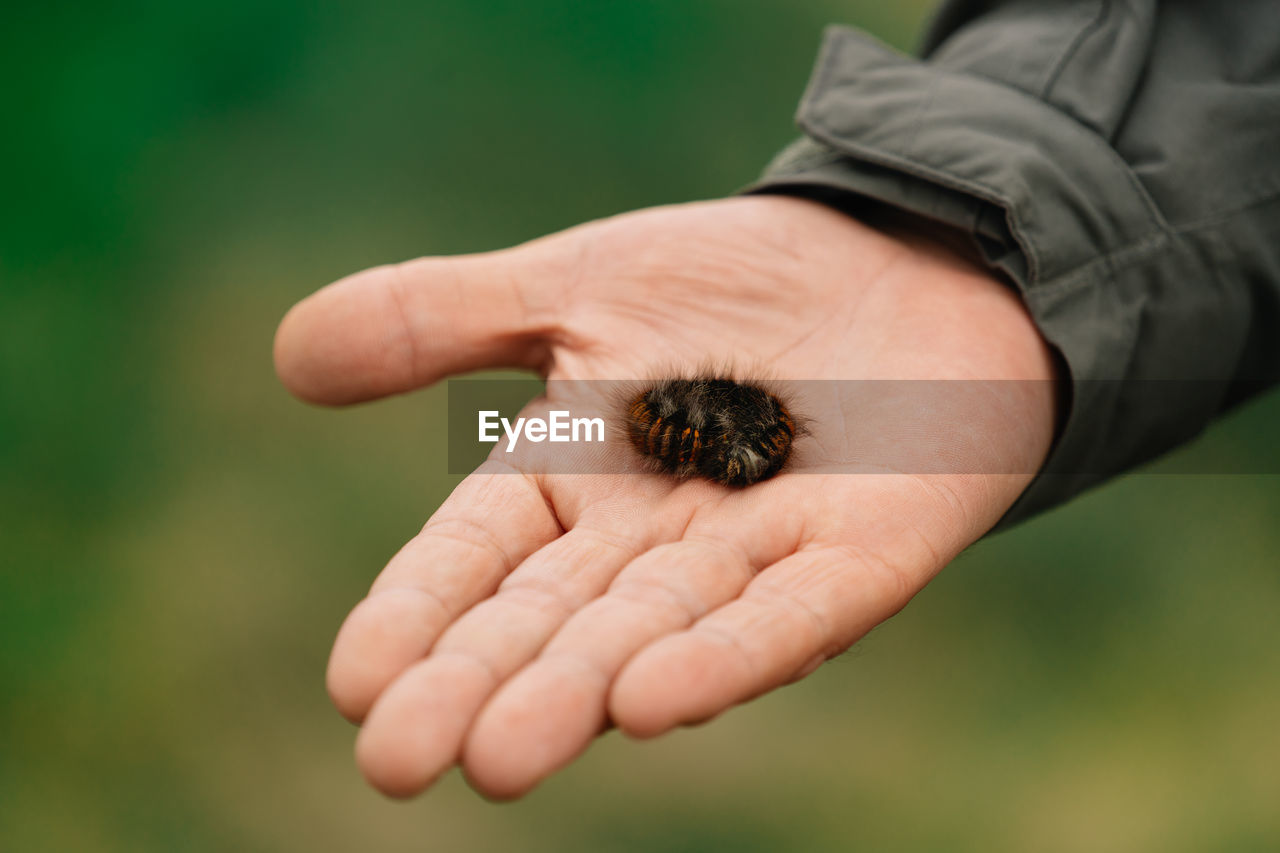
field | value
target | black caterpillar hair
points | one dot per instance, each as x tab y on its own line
735	433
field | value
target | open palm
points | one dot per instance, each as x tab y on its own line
534	610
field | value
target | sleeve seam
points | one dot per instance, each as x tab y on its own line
1127	255
1104	11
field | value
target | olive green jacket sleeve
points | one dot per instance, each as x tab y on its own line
1119	162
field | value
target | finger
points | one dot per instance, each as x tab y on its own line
551	710
398	327
490	523
793	616
416	729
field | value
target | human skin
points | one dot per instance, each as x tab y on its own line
535	610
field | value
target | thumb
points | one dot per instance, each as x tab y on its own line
394	328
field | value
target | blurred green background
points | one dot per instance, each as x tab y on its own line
180	539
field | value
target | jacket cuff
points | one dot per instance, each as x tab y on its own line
1044	199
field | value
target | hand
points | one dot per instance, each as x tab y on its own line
534	610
